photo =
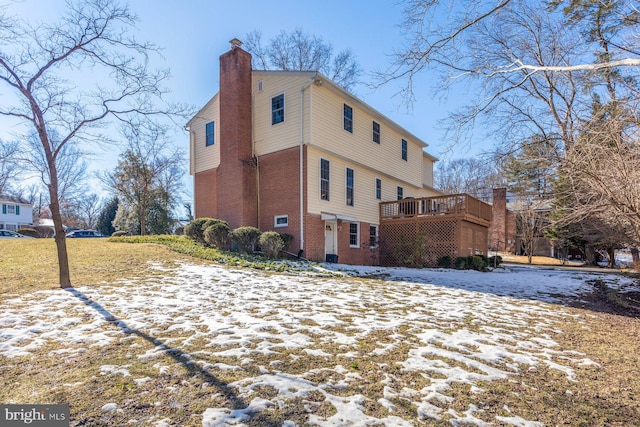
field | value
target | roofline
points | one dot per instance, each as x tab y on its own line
429	156
375	113
317	76
209	102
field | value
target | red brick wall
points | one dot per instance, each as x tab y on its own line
205	194
313	237
502	231
236	174
362	255
314	242
279	192
497	230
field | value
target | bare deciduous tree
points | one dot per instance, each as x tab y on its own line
444	34
8	167
40	67
303	52
531	221
474	176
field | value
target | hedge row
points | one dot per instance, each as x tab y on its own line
216	233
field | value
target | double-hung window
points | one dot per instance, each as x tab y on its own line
210	133
373	236
404	149
354	235
400	193
378	189
348	118
376	132
349	187
277	109
324	179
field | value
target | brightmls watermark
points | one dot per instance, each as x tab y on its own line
34	415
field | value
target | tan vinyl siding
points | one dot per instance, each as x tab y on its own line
327	133
365	208
271	138
204	158
427	172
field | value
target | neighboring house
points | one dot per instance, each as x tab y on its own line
15	213
504	235
293	152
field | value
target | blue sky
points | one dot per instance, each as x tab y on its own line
194	33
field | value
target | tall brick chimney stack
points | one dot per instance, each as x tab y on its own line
236	174
498	232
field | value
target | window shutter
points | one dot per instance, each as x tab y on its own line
17	210
4	209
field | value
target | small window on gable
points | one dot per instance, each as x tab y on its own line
404	149
348	118
281	221
277	109
354	235
210	134
376	132
259	85
378	189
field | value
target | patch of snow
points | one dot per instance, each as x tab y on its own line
110	407
519	422
451	327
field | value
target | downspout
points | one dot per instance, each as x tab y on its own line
313	79
192	164
253	155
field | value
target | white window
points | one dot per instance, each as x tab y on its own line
354	235
277	109
373	236
210	134
349	187
11	209
281	221
348	118
324	179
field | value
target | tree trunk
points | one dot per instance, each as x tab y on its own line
590	256
60	238
635	255
612	257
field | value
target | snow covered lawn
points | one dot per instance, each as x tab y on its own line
212	346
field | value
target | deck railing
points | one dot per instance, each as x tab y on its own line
453	204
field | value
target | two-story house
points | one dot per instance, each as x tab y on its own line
295	153
15	213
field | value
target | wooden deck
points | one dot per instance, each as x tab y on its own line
419	232
462	206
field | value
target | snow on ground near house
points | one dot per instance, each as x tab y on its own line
453	327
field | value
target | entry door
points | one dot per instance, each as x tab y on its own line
330	238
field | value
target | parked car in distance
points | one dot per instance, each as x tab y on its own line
85	233
6	234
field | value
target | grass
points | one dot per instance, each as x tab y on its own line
31	264
604	395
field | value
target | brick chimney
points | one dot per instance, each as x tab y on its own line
236	174
498	228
